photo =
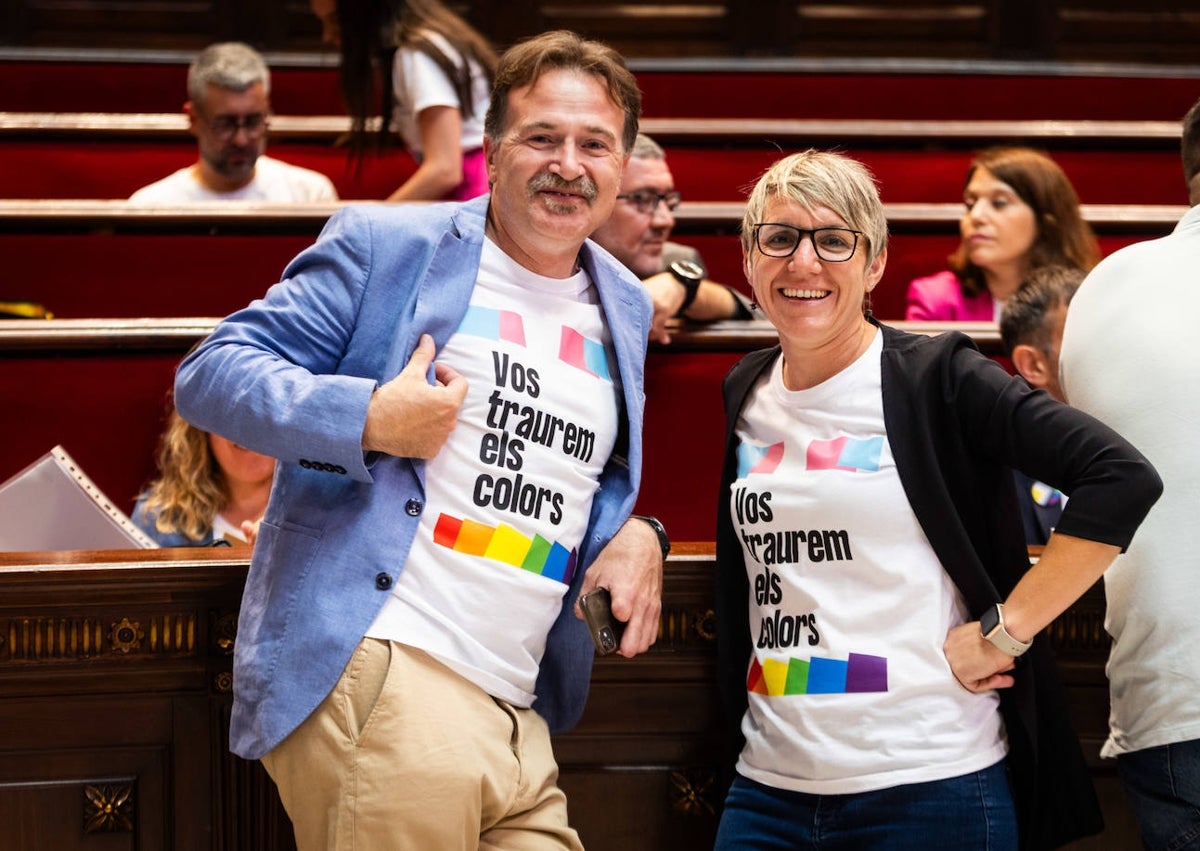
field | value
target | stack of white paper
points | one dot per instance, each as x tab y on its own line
53	505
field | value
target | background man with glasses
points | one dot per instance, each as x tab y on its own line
636	234
228	111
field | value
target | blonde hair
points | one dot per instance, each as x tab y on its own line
822	179
191	489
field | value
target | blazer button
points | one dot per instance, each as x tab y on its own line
413	507
383	581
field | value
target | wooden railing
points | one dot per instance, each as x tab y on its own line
699	217
83	258
706	132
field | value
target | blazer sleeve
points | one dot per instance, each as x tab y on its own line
1112	486
267	378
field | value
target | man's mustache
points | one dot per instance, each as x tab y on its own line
582	185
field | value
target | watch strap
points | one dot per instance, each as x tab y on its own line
689	274
664	542
991	625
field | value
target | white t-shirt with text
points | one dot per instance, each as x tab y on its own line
509	495
849	690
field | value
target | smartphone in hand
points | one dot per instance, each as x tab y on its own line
606	630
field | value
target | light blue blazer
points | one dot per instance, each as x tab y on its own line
291	375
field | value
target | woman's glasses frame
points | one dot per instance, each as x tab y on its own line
782	240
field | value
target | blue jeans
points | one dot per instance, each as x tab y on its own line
972	811
1163	787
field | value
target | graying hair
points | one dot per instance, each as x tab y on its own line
229	65
822	179
645	148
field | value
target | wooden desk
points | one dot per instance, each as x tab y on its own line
115	693
115	696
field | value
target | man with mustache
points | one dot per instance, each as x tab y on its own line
454	393
228	110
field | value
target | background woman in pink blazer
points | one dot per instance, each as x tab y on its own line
1021	213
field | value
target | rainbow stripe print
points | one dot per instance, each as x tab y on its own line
779	677
504	543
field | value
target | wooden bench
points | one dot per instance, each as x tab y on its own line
115	259
100	388
706	131
115	692
685	82
109	155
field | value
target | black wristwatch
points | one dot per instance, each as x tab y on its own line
663	541
690	275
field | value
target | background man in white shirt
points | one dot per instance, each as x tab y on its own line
1129	358
228	111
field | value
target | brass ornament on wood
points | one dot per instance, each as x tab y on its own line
684	627
108	808
126	635
224	633
690	790
78	638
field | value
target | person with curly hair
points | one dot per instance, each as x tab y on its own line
209	489
435	72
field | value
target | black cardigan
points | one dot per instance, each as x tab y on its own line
958	424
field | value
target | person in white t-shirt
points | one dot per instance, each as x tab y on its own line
874	588
454	394
1126	359
228	112
435	96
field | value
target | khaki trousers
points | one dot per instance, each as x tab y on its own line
406	754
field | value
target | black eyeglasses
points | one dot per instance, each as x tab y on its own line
647	202
226	126
779	240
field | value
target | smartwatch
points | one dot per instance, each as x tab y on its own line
690	275
663	541
991	625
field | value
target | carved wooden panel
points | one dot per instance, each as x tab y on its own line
158	24
1118	31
